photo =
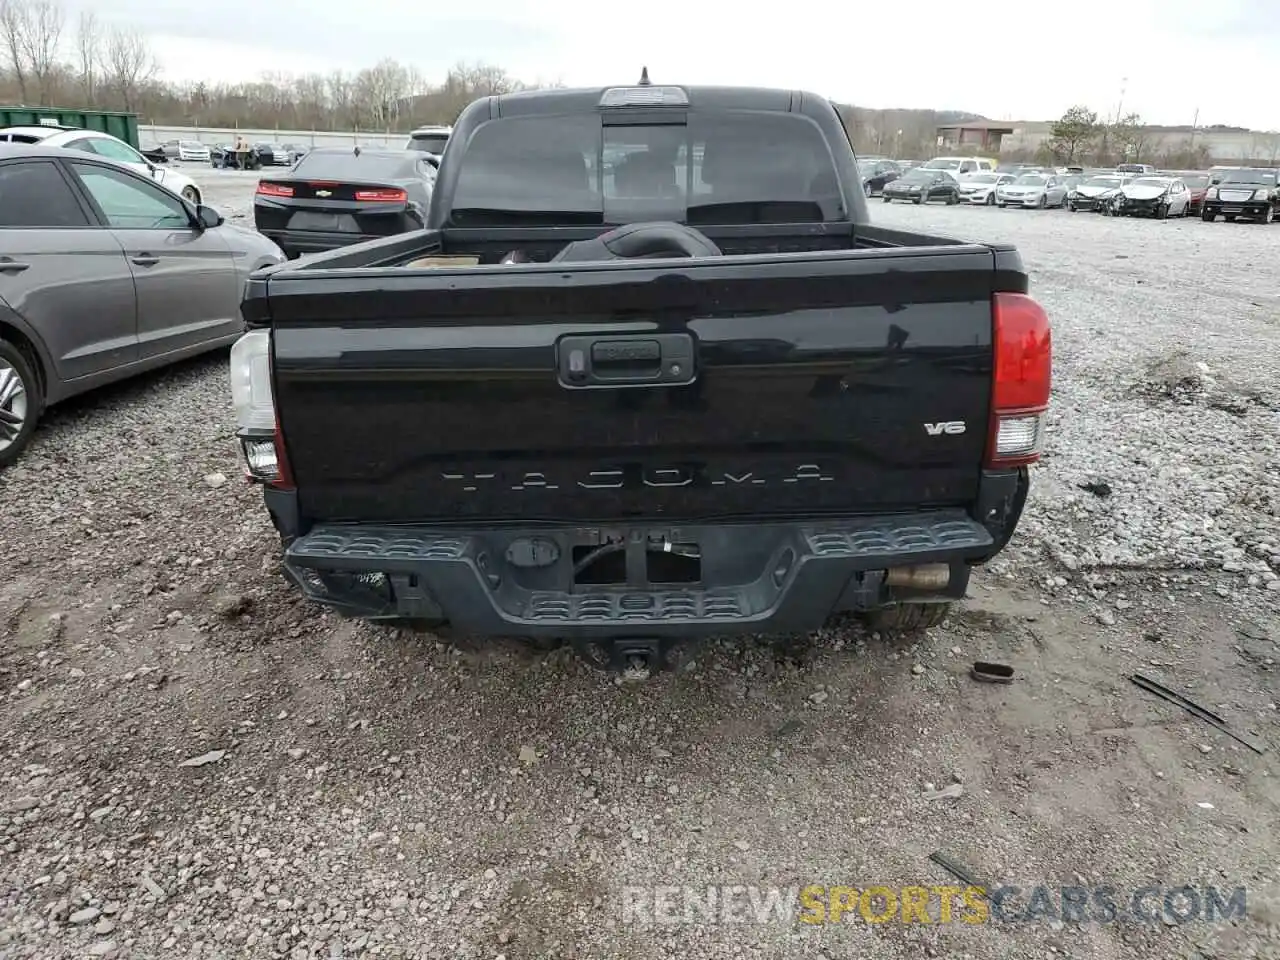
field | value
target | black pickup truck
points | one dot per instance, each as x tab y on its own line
649	373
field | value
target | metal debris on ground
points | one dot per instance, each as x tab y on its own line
1193	708
985	672
956	869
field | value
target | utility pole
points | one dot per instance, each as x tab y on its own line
1195	122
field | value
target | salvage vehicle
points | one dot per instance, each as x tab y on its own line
335	196
154	153
697	394
113	148
921	186
1242	192
273	154
1158	197
1095	193
105	274
223	156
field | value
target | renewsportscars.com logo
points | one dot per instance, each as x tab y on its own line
818	904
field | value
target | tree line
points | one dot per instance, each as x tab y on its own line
48	60
45	60
1080	136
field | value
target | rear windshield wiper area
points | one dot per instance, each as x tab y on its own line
755	211
486	217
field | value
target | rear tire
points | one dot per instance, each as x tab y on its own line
22	403
866	190
917	200
991	200
886	199
1207	217
907	617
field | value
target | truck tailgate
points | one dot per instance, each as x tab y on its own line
835	383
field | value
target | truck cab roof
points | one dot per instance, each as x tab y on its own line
526	103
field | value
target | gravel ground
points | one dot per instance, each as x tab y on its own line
195	763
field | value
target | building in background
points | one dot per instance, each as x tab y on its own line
974	136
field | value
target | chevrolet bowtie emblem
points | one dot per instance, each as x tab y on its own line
324	193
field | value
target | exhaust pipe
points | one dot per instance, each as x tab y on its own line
927	576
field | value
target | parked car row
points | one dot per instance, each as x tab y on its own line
261	154
105	145
1128	190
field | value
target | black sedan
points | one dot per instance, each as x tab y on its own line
875	173
336	196
922	186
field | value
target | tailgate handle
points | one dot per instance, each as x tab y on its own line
646	360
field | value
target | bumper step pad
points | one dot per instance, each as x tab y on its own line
802	572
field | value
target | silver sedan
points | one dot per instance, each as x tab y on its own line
1034	190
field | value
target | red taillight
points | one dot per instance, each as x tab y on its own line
284	476
266	189
1021	385
382	196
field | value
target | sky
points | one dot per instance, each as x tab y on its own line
1164	59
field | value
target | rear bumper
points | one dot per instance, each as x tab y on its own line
315	241
780	577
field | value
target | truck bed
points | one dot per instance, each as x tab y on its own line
490	244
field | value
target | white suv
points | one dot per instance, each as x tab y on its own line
429	140
104	145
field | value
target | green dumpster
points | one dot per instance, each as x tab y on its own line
121	125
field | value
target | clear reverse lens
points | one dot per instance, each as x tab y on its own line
1018	436
251	382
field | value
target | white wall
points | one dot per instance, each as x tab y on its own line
150	133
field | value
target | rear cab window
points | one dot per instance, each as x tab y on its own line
716	167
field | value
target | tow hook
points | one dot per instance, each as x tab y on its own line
636	669
631	659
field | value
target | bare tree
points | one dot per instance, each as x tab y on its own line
127	65
88	42
15	19
41	44
382	90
